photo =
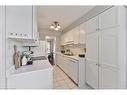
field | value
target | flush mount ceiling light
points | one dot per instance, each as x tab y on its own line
55	26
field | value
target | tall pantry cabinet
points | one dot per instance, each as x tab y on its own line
102	66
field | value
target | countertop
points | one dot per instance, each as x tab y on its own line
36	66
75	57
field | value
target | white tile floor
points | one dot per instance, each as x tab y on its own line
61	80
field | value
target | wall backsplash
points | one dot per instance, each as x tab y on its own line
75	49
10	51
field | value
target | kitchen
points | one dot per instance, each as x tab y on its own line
63	47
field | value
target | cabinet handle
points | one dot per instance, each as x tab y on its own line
20	34
11	33
96	29
73	61
96	64
99	65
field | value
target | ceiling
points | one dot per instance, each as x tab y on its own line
65	15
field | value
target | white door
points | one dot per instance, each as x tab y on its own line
82	34
108	58
19	21
92	60
92	25
109	18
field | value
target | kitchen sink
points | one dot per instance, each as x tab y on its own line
39	58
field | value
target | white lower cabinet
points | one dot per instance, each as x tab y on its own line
69	66
108	77
19	21
73	70
92	74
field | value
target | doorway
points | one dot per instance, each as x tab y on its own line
50	48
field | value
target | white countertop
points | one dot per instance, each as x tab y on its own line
37	65
75	57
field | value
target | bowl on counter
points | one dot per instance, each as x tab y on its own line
81	55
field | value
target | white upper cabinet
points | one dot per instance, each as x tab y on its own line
76	35
69	36
109	18
92	25
82	34
19	21
108	47
62	39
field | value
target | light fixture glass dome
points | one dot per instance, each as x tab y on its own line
55	25
58	26
52	27
56	29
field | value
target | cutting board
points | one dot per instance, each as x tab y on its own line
17	58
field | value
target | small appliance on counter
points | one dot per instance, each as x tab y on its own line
68	52
63	51
81	55
26	58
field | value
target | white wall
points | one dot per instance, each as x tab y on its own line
2	47
43	33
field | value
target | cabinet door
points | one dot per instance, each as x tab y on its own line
82	34
69	36
108	47
108	77
92	60
58	59
63	39
19	20
35	31
92	25
73	70
108	58
76	35
92	74
109	18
